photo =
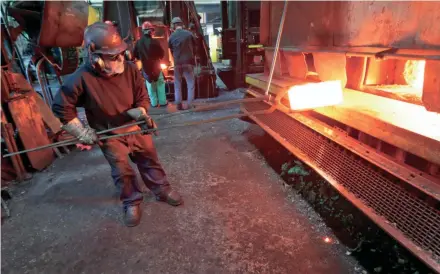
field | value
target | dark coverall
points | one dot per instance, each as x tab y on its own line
150	52
106	101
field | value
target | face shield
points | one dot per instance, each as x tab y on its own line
113	64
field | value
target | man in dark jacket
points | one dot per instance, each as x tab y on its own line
150	52
182	44
113	94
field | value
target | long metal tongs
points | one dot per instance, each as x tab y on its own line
207	107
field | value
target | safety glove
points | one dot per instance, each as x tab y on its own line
86	135
139	114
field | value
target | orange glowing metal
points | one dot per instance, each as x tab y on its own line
314	95
163	66
414	73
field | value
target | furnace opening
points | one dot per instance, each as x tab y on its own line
397	79
414	73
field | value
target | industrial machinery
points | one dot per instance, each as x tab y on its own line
380	147
240	41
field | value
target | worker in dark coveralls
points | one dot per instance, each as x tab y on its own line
182	44
113	93
150	52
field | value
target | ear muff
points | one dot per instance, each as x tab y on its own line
95	60
127	55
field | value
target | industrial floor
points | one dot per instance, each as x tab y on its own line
236	217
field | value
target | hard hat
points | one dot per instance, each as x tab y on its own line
147	25
112	23
176	20
103	38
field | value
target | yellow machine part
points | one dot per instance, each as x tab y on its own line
93	16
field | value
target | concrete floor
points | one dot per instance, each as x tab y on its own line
236	217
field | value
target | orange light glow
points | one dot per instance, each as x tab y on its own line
314	95
163	66
327	240
414	73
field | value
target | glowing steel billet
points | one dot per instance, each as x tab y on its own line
315	95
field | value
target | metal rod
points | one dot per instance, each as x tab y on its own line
214	106
277	46
193	123
40	80
73	140
207	107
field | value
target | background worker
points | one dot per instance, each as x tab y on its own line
182	45
113	93
150	52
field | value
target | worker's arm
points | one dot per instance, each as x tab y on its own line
170	46
68	98
140	106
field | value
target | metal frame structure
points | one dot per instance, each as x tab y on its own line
374	184
401	199
235	43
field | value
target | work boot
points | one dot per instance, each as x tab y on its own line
132	215
188	106
173	108
170	196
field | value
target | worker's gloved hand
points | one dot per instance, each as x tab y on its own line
139	114
85	135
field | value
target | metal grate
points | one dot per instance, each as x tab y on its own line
414	217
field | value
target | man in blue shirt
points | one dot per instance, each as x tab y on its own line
182	44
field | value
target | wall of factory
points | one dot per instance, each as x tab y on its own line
359	23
